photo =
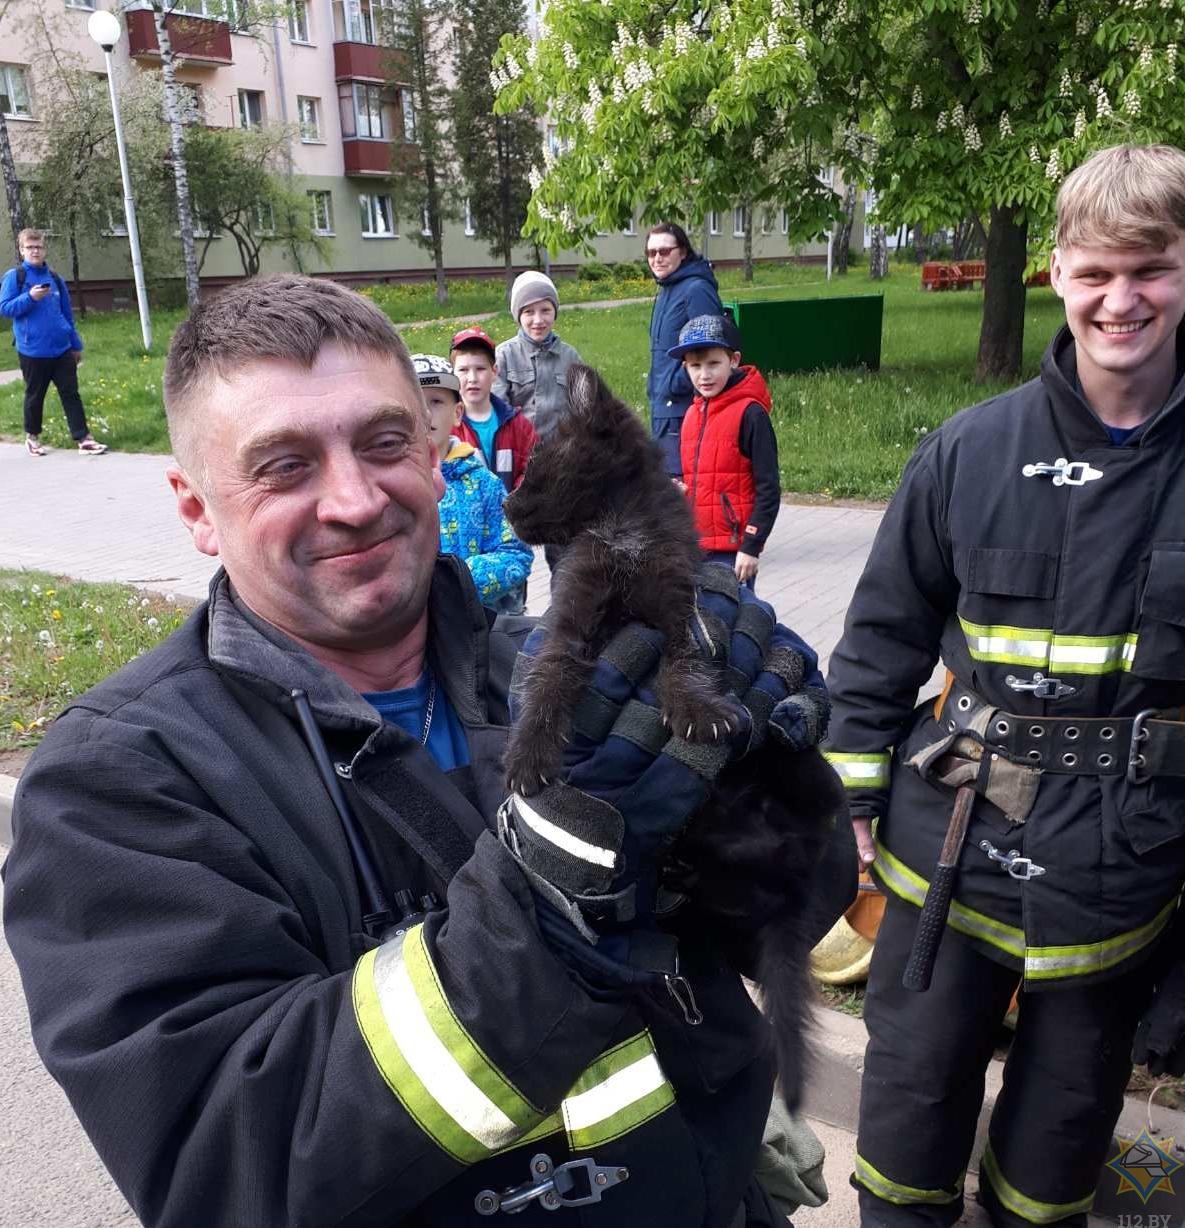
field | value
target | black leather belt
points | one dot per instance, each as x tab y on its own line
1138	747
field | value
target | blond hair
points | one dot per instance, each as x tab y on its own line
29	233
283	316
1125	196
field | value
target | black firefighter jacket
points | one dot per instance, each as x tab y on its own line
183	908
1003	572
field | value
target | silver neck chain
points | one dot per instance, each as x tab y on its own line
429	710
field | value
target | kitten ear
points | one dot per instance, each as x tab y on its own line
586	392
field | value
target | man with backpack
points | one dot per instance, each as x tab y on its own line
35	299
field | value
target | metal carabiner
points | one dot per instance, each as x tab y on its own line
553	1187
1136	761
1018	867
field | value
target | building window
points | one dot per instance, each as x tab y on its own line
250	109
263	218
378	218
767	221
321	207
470	229
308	113
425	223
740	221
407	104
203	8
116	225
361	21
298	21
368	111
785	221
714	222
14	93
81	4
630	228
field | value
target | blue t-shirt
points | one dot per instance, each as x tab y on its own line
407	709
1121	434
485	436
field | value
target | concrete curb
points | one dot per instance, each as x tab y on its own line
7	792
833	1097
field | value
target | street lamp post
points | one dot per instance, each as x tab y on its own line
104	28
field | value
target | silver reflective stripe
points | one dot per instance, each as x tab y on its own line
860	771
572	845
1038	647
430	1060
617	1092
1047	963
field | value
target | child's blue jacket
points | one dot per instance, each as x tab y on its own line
474	527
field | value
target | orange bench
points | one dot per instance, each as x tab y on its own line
955	274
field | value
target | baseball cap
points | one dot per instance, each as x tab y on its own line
474	336
435	372
705	332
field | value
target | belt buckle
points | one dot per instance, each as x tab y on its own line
1137	762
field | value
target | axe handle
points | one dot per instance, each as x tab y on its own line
932	922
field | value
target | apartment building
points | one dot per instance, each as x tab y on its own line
323	71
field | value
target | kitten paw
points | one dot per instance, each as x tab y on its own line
531	768
710	720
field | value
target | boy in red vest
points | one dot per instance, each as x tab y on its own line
728	447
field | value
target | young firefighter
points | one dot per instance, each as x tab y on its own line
727	446
1037	545
503	434
472	523
533	365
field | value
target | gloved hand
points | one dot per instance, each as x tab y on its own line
591	843
1160	1037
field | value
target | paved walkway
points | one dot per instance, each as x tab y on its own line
113	518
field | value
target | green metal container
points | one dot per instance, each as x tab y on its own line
784	336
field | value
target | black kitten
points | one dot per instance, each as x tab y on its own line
596	485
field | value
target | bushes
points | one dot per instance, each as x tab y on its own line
594	271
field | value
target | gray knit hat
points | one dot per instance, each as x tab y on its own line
530	287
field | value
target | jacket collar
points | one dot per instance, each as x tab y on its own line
503	410
262	657
1078	424
546	344
747	384
697	266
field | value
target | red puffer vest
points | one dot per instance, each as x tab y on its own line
719	477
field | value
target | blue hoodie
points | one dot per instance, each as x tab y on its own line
474	527
45	328
688	292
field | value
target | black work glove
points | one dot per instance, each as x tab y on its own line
1160	1038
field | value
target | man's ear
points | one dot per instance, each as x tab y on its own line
191	507
736	359
1056	272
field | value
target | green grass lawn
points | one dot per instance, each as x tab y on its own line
58	637
844	434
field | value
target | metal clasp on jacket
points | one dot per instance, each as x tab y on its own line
1136	761
1041	687
1064	472
553	1187
1017	866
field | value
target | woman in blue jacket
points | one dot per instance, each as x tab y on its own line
686	288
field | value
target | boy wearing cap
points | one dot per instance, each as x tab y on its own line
503	434
727	446
533	365
472	523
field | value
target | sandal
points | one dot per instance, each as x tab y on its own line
90	446
34	446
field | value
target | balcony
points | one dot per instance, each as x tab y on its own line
196	40
369	159
367	62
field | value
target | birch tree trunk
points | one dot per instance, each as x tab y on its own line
748	249
12	185
177	143
878	255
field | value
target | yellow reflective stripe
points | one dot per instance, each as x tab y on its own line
621	1090
912	887
1040	648
440	1076
1040	963
1007	645
1045	963
860	771
1021	1204
895	1192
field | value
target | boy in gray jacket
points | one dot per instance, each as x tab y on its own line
533	365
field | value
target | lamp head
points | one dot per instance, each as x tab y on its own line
104	28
